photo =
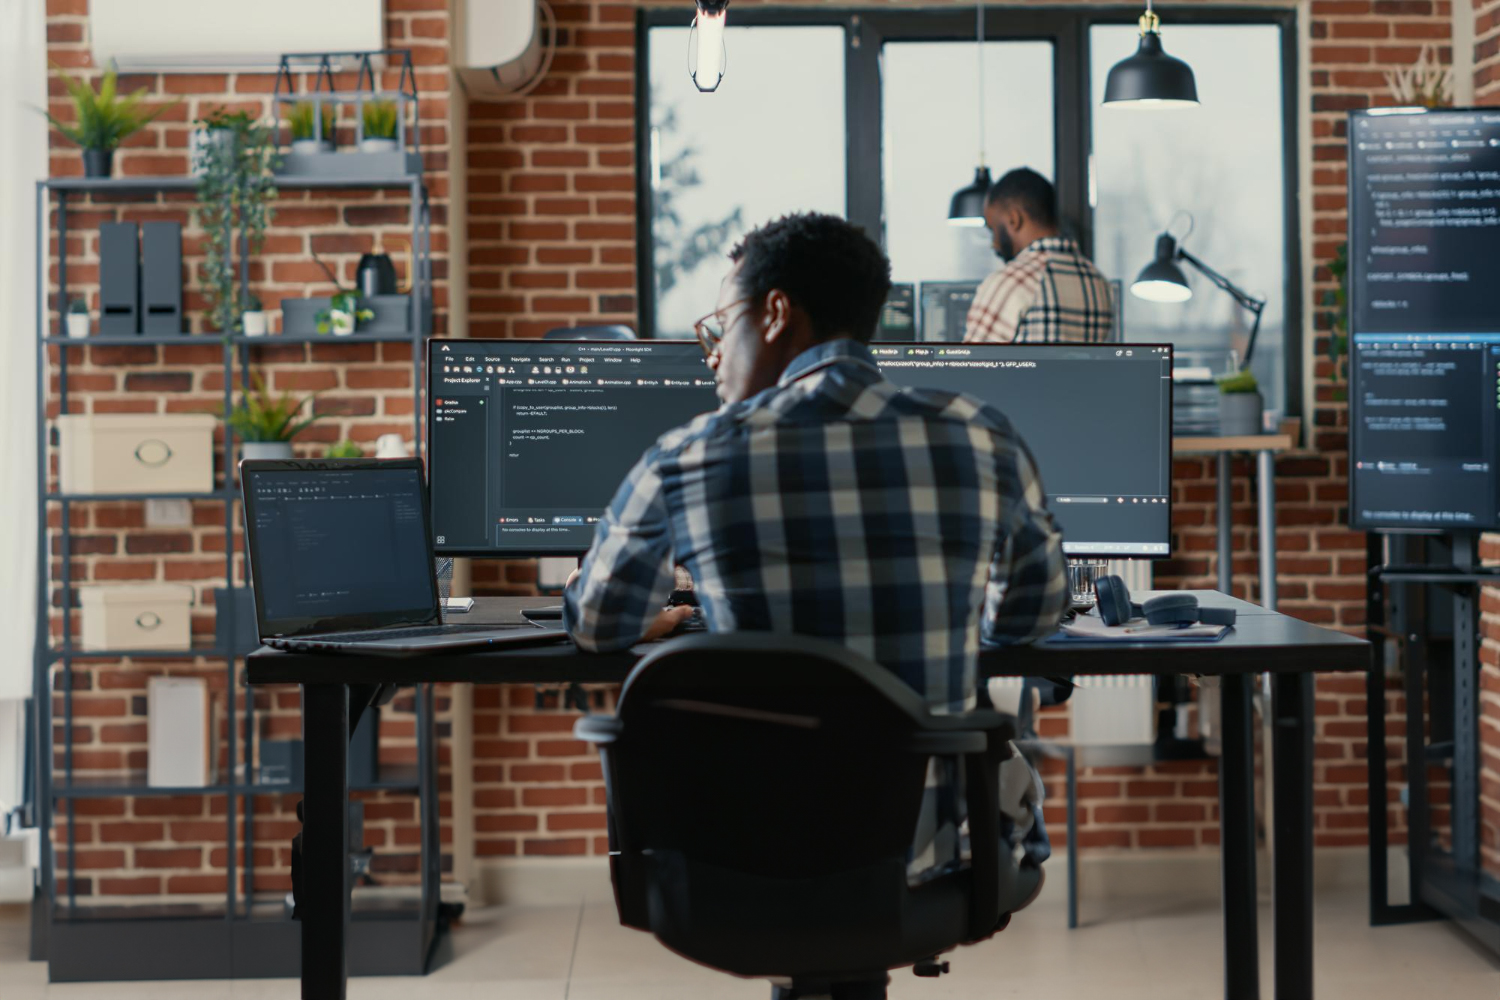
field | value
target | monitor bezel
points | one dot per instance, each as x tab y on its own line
542	552
1356	522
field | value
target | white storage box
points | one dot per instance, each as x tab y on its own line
138	616
136	452
1113	710
179	733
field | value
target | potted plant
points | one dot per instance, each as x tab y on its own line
253	319
219	127
103	119
344	313
1239	404
78	318
1337	300
345	449
235	190
379	119
266	424
303	121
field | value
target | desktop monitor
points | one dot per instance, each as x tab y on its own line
528	441
945	308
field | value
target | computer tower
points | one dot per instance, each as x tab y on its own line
161	278
119	280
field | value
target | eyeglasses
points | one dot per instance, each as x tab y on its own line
711	328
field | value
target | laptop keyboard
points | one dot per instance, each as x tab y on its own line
409	633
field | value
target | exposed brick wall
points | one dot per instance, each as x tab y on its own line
1487	51
153	845
551	215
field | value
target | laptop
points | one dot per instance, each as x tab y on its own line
341	561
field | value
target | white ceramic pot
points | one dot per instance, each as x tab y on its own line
253	323
377	145
306	146
265	449
341	323
1240	414
78	325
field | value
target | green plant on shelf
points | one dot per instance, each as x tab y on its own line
1237	382
345	449
344	313
380	119
262	416
302	120
78	307
103	118
235	191
1337	316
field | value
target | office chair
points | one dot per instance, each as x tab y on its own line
611	332
763	792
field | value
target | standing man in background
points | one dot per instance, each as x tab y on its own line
1048	292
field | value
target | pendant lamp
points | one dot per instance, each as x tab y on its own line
706	51
1150	78
966	208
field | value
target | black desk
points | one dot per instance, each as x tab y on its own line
1263	642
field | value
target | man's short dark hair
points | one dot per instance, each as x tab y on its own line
1031	191
826	266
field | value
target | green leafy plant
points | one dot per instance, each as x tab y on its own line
1337	301
252	304
380	118
1237	382
345	449
262	416
344	300
78	307
104	118
300	119
235	191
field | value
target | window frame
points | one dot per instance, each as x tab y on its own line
866	31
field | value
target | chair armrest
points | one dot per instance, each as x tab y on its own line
982	789
599	729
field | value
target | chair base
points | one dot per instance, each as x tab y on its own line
854	989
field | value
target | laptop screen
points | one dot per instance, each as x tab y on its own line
336	546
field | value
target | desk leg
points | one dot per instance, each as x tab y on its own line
1226	525
325	841
1265	462
1237	841
1291	865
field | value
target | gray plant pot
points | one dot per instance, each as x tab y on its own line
1240	413
303	147
265	449
377	145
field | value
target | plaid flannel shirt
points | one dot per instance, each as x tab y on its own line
1049	294
907	524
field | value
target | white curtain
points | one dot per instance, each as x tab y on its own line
23	161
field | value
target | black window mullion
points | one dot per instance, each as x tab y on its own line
864	152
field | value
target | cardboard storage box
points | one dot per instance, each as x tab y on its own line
138	616
136	452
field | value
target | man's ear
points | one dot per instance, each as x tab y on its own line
776	317
1015	219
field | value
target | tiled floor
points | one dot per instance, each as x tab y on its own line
1152	949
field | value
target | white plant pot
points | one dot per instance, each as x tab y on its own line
254	323
340	323
377	145
1240	414
78	325
306	146
265	449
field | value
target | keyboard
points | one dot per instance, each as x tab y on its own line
415	632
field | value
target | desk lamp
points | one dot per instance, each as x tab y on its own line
1163	281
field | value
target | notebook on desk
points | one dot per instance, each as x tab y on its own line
1091	628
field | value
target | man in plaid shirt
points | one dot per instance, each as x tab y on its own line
1048	292
822	499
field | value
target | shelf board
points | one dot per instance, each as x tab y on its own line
132	784
143	340
393	778
206	652
113	497
271	340
190	183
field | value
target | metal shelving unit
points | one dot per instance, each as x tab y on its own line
241	937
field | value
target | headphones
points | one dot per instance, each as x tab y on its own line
1116	608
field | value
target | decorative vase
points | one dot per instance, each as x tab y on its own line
78	325
266	449
340	323
98	162
1239	414
253	323
377	145
308	146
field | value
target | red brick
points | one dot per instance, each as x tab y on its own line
173	857
556	847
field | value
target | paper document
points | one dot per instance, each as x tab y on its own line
1137	630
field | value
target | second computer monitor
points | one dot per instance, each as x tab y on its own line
529	440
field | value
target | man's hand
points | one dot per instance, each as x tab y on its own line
571	577
668	620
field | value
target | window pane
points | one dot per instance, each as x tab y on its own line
768	142
1221	162
929	93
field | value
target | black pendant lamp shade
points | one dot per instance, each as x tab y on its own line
967	206
1162	280
1150	78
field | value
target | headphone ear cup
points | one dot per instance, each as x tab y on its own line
1113	599
1171	609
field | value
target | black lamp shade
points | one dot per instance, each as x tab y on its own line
1162	280
967	206
1151	78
